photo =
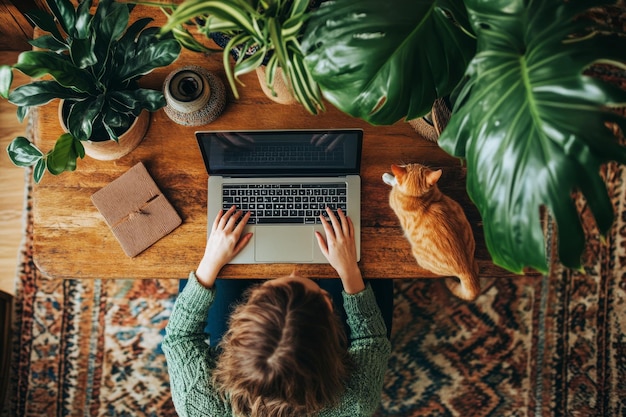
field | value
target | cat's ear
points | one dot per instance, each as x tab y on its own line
432	177
397	170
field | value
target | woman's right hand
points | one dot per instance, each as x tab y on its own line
225	241
339	248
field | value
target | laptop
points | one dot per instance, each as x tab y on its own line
286	178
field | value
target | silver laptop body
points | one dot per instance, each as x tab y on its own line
286	178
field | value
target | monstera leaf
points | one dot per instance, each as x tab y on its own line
531	126
384	60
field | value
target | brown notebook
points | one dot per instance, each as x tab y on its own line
136	210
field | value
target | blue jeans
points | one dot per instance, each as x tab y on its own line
230	292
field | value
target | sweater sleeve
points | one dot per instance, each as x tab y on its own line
369	349
190	360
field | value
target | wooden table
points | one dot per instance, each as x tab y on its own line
71	239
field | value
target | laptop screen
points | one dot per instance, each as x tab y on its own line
281	152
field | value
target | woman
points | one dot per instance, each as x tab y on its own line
285	351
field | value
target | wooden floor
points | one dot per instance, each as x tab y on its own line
11	188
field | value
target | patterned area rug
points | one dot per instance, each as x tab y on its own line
531	346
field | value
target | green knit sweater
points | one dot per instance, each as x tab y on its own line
191	361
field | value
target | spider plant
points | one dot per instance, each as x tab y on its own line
267	31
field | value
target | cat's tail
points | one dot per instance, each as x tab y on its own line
466	287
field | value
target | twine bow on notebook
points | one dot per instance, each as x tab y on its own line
139	211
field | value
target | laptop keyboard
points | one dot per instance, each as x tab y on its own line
285	203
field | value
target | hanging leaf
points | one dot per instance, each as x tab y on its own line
63	156
46	22
385	60
39	170
64	11
6	78
42	92
36	64
532	128
23	153
148	58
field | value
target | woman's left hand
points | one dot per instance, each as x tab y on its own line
225	241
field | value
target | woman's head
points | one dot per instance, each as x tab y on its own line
285	351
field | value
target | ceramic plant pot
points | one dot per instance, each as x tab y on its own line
282	92
281	88
107	149
194	96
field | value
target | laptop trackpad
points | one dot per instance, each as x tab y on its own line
283	244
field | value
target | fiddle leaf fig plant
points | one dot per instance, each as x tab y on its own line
382	61
531	125
92	62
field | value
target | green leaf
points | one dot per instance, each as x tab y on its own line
189	42
149	36
228	11
384	60
45	22
23	153
291	27
79	149
299	7
65	13
48	42
147	59
82	52
270	70
42	92
306	90
235	40
63	156
215	24
36	64
532	128
82	45
82	115
133	101
111	20
6	79
280	48
22	112
250	63
39	170
125	48
109	23
83	20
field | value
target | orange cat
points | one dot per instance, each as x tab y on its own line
440	235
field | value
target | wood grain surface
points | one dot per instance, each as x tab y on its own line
11	186
71	239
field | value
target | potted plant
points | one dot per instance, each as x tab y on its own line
92	63
527	120
267	32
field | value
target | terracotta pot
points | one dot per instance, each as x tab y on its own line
108	150
281	88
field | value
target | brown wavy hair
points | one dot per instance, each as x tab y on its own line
285	353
